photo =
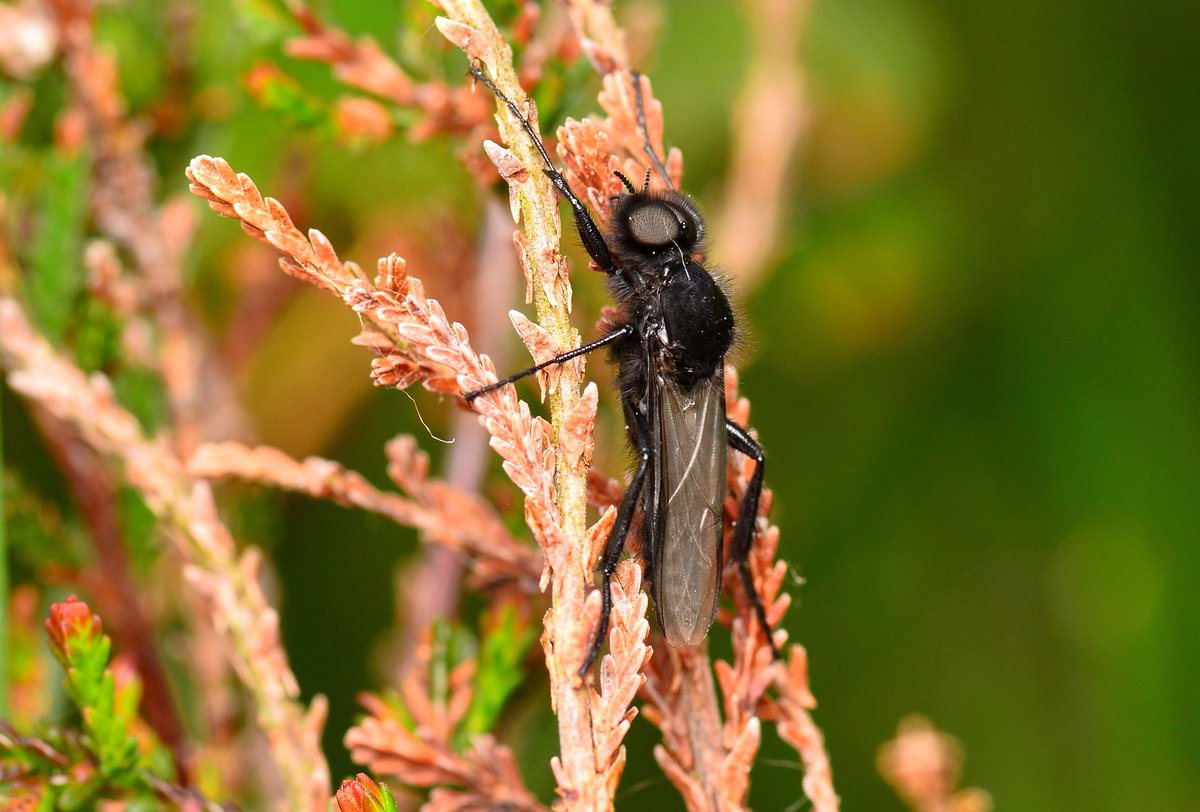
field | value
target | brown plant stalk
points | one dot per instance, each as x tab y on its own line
445	515
156	237
360	63
184	507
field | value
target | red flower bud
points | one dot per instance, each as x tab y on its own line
72	626
360	795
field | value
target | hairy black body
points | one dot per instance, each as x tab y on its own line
669	341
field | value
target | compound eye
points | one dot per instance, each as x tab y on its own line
656	224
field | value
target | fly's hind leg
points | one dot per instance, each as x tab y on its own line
743	535
620	531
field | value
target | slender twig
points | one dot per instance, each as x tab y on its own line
186	510
123	207
156	236
453	518
590	761
770	117
796	727
420	750
360	63
599	35
431	585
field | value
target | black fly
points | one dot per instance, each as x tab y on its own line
669	341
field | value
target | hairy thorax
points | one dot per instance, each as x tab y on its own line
696	329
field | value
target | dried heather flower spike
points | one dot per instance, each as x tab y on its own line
619	100
421	754
772	116
233	194
186	510
621	670
923	764
556	504
681	702
600	37
424	341
361	64
583	147
468	522
796	727
444	514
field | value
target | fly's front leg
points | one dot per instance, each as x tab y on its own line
743	533
589	233
620	531
604	340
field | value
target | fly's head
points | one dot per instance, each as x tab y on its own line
649	228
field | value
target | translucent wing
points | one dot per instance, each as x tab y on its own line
689	482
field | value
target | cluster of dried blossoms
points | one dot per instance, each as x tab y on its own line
710	737
923	766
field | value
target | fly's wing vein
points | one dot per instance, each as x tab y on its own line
691	462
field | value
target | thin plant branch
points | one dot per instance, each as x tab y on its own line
360	63
796	727
769	120
430	587
448	516
602	40
419	750
591	725
156	237
184	507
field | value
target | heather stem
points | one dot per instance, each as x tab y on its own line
580	786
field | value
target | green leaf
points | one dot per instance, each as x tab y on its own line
108	714
97	338
55	273
502	650
140	390
279	93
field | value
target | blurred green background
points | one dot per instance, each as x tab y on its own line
974	368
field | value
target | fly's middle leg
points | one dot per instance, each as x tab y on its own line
620	531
